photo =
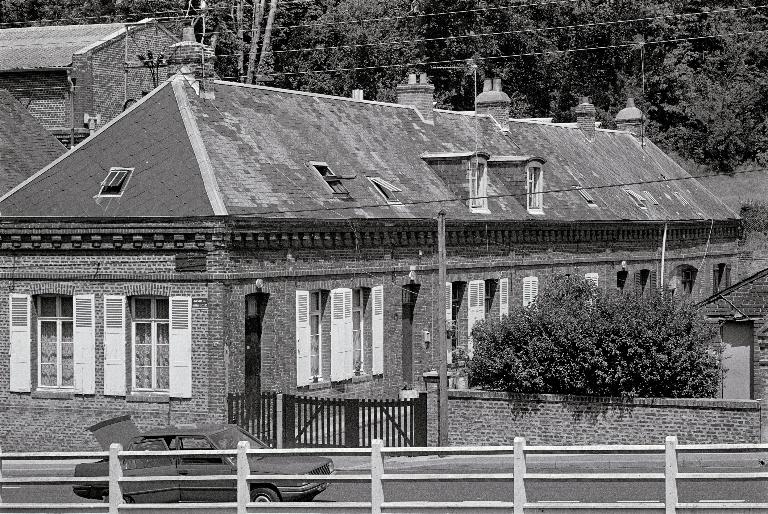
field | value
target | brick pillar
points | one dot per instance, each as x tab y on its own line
430	382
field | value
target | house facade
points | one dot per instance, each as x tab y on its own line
251	239
76	78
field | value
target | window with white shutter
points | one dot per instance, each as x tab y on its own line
476	309
114	345
592	278
20	336
341	334
303	339
180	351
85	344
377	329
503	296
57	357
530	290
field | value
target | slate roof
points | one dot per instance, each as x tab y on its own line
247	152
29	48
25	145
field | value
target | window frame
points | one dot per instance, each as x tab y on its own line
688	277
330	178
491	289
318	313
386	190
640	201
122	184
58	319
153	321
587	196
478	184
360	310
534	189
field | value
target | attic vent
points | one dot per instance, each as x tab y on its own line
681	198
333	181
586	196
637	197
114	184
652	198
386	190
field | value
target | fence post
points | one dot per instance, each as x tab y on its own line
377	470
243	470
520	498
279	420
670	475
420	420
289	421
352	423
115	474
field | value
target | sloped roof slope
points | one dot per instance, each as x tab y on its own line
248	152
25	145
29	48
150	138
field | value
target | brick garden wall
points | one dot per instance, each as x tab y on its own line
496	418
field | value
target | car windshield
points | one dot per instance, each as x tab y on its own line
227	439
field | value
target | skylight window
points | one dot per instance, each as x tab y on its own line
682	199
333	181
652	198
386	190
586	195
115	183
637	197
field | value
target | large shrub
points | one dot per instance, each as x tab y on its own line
577	339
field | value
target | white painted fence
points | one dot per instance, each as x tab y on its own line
377	477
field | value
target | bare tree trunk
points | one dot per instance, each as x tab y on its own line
265	47
258	14
240	43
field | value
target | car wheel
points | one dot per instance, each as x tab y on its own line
264	494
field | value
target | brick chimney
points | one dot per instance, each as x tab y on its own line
585	118
190	57
419	94
630	119
495	102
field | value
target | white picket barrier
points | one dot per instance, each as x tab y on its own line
378	477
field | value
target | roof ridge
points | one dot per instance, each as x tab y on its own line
88	140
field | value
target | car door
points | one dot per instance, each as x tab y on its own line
201	465
150	491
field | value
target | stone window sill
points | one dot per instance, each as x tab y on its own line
147	398
44	394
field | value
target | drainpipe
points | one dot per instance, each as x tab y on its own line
663	252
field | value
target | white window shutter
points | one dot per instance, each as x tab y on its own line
592	277
476	309
377	330
180	351
303	339
84	344
503	297
338	333
349	367
114	345
449	316
530	290
19	307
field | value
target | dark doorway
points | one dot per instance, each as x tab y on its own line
410	294
255	306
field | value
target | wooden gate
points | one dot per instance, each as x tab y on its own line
353	423
256	414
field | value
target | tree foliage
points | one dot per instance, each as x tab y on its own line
698	69
576	339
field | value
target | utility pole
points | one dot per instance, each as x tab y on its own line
442	346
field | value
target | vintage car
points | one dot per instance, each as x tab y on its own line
197	437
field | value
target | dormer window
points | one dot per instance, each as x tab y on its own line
534	190
333	180
478	185
114	184
637	198
387	190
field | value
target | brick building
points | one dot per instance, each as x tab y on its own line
246	238
68	75
25	146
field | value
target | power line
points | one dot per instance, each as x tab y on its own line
36	23
520	31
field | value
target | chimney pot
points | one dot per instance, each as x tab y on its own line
487	85
419	95
495	102
585	118
357	94
497	84
423	78
412	78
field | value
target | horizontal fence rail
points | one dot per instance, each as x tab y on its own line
244	478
